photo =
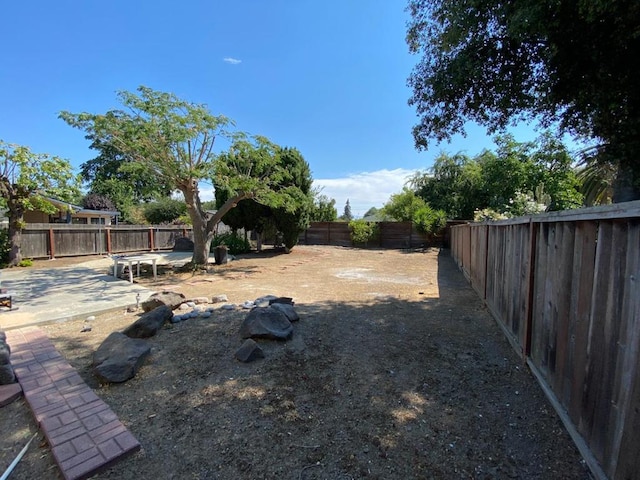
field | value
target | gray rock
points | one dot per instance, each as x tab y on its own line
171	299
5	354
183	244
264	301
6	374
149	323
3	336
118	358
176	319
205	314
200	300
287	300
287	309
266	322
191	304
249	351
219	298
184	307
228	306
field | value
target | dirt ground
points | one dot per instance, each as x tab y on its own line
395	371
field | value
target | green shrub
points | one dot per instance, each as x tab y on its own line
362	232
26	262
234	243
429	221
5	247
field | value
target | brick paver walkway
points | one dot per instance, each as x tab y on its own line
84	434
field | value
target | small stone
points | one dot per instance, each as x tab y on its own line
219	298
249	351
85	328
91	318
206	314
191	304
176	319
199	300
194	314
228	306
248	305
184	306
210	309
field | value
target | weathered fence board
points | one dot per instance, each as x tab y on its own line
60	240
566	286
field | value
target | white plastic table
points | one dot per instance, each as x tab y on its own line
135	259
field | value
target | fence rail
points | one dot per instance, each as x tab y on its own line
565	288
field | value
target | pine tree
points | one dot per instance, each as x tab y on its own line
347	216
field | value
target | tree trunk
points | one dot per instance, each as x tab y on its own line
626	187
16	220
203	227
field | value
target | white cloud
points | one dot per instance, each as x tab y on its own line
364	190
231	60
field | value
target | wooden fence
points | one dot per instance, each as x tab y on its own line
390	235
49	240
565	288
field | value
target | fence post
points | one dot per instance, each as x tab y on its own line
151	243
52	248
108	234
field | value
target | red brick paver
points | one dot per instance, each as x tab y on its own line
84	434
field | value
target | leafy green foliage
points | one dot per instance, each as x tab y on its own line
26	180
5	247
510	180
402	206
429	221
234	243
363	232
562	62
283	196
164	210
324	209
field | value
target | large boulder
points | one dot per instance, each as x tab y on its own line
149	323
266	322
183	244
118	358
171	299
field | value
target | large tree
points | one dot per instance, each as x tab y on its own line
173	139
26	180
564	62
283	197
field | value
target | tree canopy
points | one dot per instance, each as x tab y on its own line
26	180
282	191
173	139
564	62
517	178
324	209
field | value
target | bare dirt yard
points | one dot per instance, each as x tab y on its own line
395	371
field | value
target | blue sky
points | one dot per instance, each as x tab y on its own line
328	78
